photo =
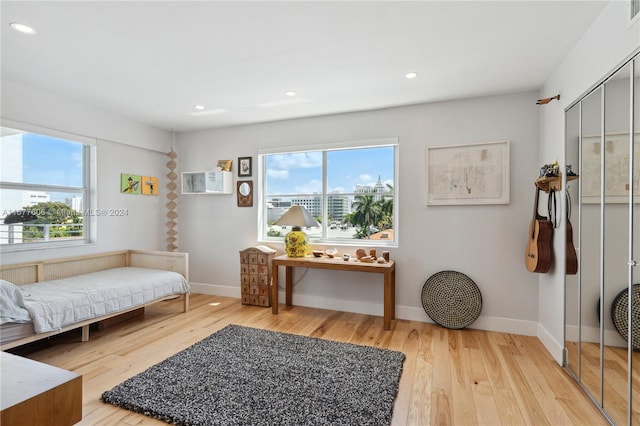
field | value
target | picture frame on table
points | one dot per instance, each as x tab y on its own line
244	166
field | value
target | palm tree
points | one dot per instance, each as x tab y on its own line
386	213
366	212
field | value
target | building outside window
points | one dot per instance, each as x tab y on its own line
44	189
350	188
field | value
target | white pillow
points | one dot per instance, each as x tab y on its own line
12	307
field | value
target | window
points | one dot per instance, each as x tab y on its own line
350	189
44	189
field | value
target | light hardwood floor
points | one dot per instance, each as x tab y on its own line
615	386
461	377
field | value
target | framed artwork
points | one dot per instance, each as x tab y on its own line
244	166
245	193
468	174
129	184
149	185
225	165
616	163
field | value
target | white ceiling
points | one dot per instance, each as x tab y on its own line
154	61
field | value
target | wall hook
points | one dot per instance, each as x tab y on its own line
547	100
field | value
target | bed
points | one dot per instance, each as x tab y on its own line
41	299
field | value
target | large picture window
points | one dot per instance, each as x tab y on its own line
44	189
350	189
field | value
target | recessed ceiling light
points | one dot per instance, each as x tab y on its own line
204	113
199	107
411	74
23	28
290	93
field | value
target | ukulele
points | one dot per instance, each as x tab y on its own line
539	248
570	252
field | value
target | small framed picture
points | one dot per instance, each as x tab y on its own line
129	184
244	166
149	185
224	165
245	193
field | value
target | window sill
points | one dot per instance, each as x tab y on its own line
14	248
355	244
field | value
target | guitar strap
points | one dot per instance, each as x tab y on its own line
552	208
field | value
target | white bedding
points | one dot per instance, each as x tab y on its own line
57	303
12	307
11	331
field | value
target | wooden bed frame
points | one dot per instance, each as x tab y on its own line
32	272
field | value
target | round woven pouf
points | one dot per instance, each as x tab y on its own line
620	315
451	299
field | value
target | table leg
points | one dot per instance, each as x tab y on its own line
393	294
389	299
274	289
288	283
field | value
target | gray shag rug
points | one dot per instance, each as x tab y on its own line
248	376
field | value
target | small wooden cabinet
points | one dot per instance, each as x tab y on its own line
216	182
255	275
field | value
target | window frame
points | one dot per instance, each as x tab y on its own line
324	148
87	190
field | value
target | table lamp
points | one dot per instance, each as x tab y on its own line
296	242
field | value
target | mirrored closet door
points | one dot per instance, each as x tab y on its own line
602	299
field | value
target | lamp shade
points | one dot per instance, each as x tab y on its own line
297	216
296	242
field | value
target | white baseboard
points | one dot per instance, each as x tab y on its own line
215	290
504	325
589	334
554	347
592	334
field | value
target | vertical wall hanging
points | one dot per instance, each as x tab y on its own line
172	232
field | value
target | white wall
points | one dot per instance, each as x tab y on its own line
485	242
610	40
122	146
30	105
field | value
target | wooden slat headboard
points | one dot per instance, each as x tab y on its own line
19	274
168	261
27	273
64	268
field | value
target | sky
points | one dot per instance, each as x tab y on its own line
37	159
52	161
301	173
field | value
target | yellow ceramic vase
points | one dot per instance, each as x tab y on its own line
296	243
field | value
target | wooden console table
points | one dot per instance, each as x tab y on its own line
338	264
33	393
